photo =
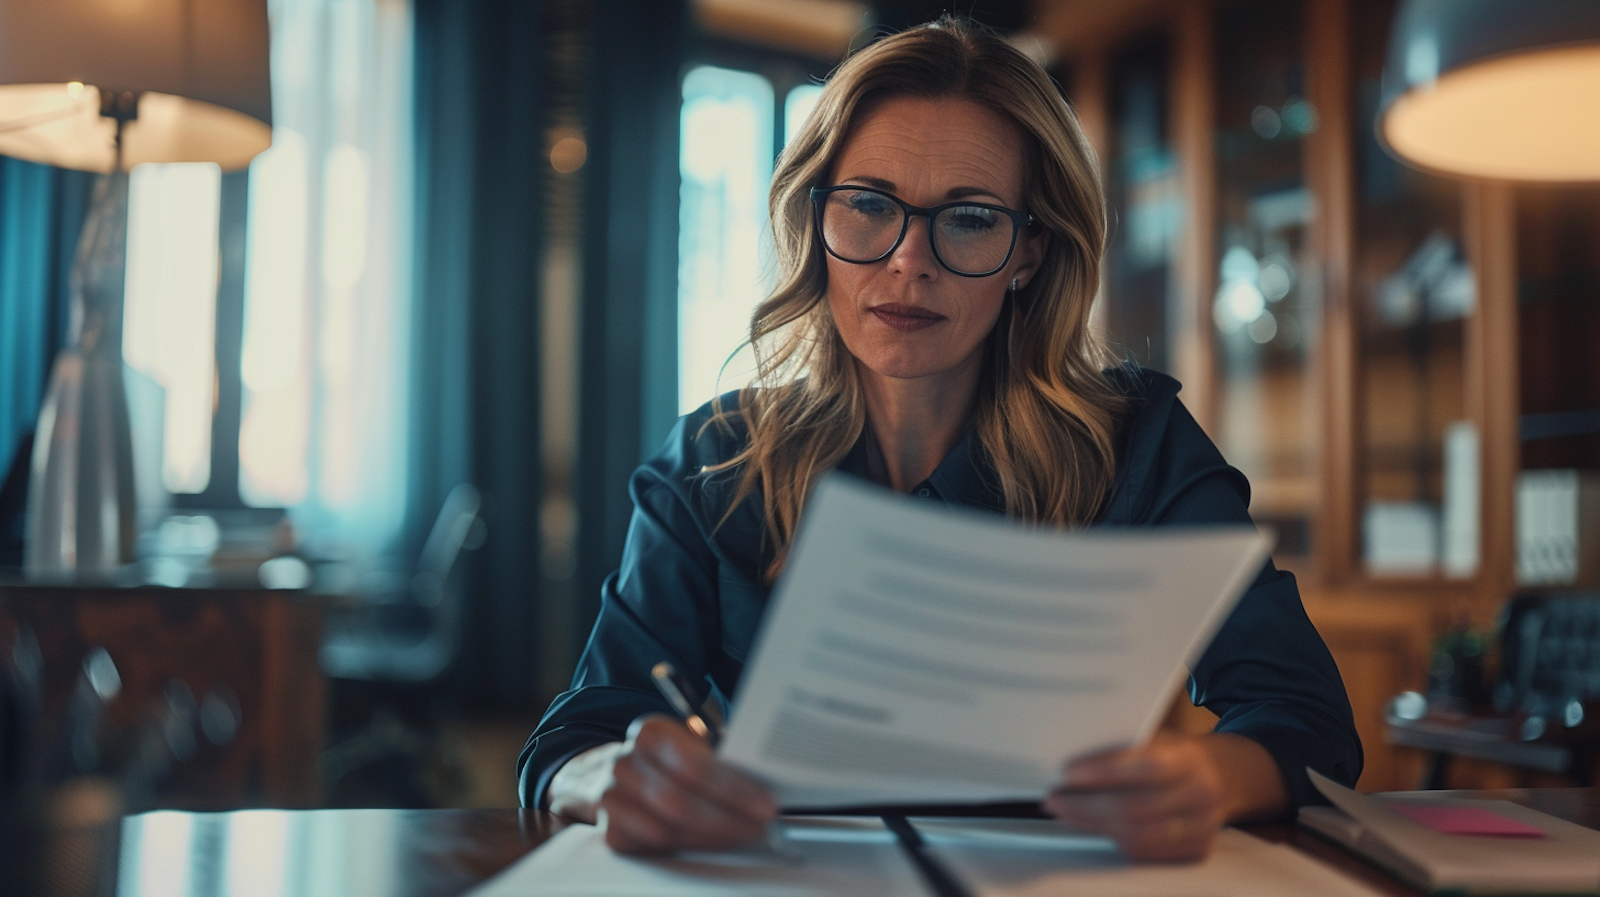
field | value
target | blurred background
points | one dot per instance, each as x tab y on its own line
386	383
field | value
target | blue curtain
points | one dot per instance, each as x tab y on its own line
486	71
41	211
474	410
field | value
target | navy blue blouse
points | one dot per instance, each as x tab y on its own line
689	590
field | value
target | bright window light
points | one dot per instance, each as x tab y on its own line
327	296
726	164
169	334
797	108
273	433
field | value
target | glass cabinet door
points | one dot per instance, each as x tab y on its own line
1557	489
1145	193
1412	290
1265	313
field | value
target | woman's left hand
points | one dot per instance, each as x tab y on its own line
1165	800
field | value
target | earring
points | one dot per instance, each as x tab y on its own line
1012	313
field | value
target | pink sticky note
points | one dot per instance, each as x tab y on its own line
1467	821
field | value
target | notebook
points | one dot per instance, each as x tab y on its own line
1457	845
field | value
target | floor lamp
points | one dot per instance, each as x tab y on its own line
99	86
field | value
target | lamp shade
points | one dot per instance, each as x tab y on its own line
1495	89
200	67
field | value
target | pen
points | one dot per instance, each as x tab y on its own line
707	723
935	874
676	690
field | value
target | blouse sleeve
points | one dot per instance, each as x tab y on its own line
1267	674
660	604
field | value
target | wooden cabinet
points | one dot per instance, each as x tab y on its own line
1369	344
245	660
1558	326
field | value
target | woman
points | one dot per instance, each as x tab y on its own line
939	225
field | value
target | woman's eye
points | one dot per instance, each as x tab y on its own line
871	205
969	219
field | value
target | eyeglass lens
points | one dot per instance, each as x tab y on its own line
864	226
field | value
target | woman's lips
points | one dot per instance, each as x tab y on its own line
905	317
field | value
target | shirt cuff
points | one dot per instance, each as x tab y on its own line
547	753
1294	746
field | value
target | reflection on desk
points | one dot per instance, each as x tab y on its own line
266	853
859	856
442	853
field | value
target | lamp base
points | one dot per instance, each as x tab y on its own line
81	496
81	501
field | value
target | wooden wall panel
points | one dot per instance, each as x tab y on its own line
1381	647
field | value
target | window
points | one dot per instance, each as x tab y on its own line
725	259
797	108
170	307
321	373
726	164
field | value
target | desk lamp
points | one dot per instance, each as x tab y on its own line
1495	89
103	86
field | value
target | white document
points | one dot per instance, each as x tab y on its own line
844	856
858	856
1038	858
917	654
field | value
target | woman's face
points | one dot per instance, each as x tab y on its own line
906	317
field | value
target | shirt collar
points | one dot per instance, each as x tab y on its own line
964	477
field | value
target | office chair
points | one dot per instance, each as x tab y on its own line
411	636
383	653
1546	698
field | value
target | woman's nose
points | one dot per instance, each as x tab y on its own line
914	256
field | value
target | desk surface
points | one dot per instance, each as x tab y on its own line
437	853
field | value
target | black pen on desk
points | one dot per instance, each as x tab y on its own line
935	874
676	690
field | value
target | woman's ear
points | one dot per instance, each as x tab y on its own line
1029	255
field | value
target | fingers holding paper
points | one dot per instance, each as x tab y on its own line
669	791
1160	801
1166	800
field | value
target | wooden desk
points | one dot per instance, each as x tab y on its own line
440	853
256	648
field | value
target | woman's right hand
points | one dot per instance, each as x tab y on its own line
664	789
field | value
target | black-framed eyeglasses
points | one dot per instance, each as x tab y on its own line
862	225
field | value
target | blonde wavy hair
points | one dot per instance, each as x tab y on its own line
1045	414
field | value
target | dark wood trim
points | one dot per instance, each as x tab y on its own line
294	705
1489	212
1336	372
1091	100
1194	119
